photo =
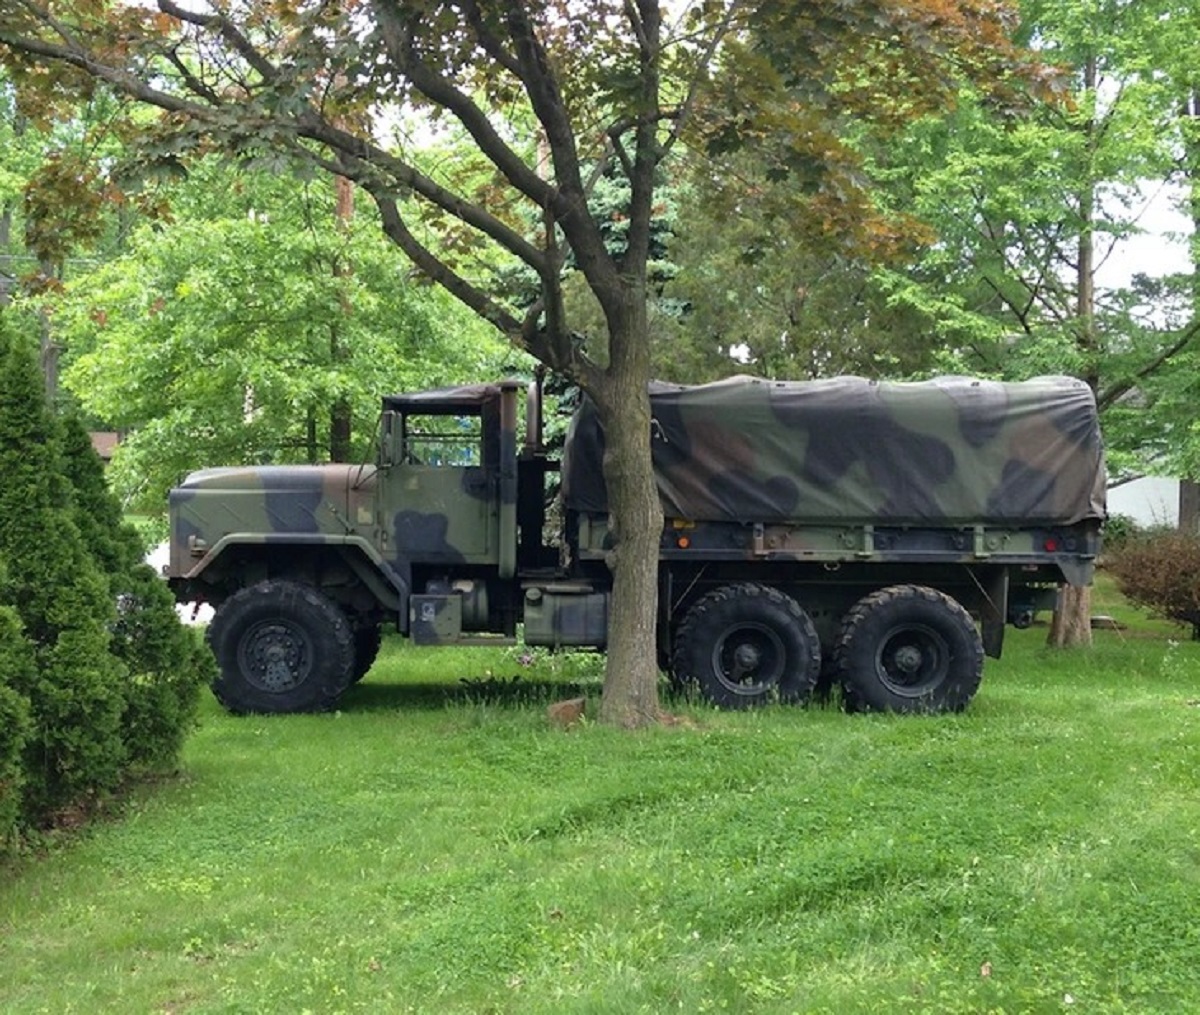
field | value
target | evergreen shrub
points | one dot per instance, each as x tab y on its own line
113	677
16	671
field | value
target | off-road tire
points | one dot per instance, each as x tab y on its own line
909	648
367	641
747	644
281	647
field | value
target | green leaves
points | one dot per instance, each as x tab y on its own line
223	337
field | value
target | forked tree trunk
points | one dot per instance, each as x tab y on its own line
1072	621
630	696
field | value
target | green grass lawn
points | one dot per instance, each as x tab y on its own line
437	847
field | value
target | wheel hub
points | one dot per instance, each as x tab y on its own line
908	659
746	658
275	657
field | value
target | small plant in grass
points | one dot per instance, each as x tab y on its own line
1161	573
569	664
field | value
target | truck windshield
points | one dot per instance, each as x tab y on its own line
442	440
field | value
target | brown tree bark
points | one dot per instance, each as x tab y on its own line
1189	506
1072	621
630	696
340	413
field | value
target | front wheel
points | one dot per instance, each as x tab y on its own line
281	647
367	641
909	648
746	645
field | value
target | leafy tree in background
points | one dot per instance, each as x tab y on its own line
607	87
1030	216
216	338
756	292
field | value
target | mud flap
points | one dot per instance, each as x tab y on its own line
993	613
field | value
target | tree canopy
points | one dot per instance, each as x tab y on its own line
555	96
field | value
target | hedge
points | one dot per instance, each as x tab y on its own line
104	680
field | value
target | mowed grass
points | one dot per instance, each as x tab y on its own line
437	847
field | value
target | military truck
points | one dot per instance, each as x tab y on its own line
879	535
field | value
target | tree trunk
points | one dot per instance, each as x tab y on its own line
339	429
1072	621
1189	507
341	413
630	695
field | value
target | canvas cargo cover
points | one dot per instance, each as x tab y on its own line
953	450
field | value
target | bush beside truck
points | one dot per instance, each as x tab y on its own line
98	679
1159	571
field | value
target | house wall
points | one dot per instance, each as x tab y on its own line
1152	500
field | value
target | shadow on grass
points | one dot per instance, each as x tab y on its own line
501	692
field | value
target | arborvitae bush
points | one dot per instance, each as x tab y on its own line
1161	572
167	663
16	672
98	677
78	695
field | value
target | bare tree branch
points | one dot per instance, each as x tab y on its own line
398	37
228	31
437	270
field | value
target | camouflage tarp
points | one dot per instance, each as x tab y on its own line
951	450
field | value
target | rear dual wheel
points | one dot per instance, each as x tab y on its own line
909	648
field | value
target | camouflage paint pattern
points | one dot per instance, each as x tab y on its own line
841	474
265	504
952	451
399	513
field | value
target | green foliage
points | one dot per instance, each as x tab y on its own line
167	667
1118	530
62	598
1031	273
115	545
230	336
106	689
762	294
1161	572
16	671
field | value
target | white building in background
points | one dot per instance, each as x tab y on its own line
189	613
1149	501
